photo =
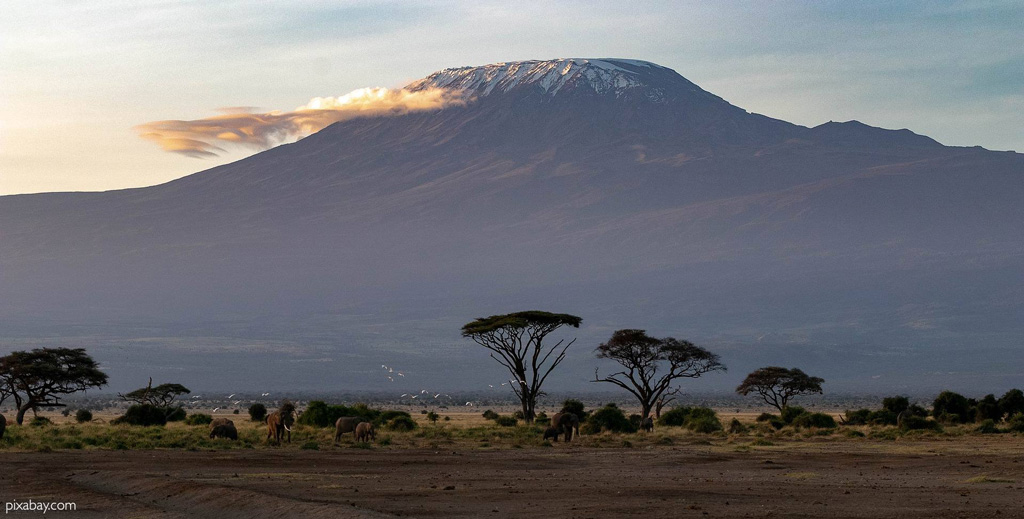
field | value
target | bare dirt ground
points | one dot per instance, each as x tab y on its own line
966	477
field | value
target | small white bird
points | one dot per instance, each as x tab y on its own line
422	391
238	402
383	366
401	374
266	394
414	396
437	395
469	403
490	385
390	370
215	409
503	384
404	395
232	395
391	379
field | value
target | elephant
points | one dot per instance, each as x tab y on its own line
365	432
3	426
281	421
345	424
647	424
567	424
551	432
223	428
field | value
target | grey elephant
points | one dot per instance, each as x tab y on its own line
281	421
223	428
345	424
3	426
365	432
647	424
567	424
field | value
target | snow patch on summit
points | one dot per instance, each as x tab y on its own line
600	75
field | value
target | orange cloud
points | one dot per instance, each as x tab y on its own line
242	126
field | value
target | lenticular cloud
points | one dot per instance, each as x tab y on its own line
245	127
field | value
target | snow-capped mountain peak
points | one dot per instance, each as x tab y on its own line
601	76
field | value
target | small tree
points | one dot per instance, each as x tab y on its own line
652	365
778	385
1012	403
40	377
160	396
516	341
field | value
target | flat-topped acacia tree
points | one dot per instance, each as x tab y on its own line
516	341
650	365
39	378
778	385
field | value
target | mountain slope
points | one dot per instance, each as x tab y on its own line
614	189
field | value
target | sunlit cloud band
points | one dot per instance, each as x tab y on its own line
243	126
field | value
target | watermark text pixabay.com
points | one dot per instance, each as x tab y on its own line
39	506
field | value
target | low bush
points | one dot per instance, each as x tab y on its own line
704	424
176	415
401	423
919	423
575	407
1015	423
675	417
988	409
858	417
987	427
257	412
198	419
737	427
506	421
895	404
1012	403
83	415
609	418
490	415
433	417
883	417
766	417
143	415
321	414
816	420
40	421
790	413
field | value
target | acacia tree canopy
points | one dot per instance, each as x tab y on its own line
516	341
39	377
778	385
159	396
650	365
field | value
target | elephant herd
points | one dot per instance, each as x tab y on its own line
563	424
363	431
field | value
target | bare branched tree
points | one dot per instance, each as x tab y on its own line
516	341
665	399
651	365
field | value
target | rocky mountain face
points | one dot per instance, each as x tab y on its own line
613	189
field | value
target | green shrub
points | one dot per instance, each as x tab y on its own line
987	427
506	421
198	419
257	412
1016	423
817	420
858	417
704	424
1012	403
575	407
83	415
883	417
320	414
952	408
144	415
675	417
176	415
609	418
387	416
737	427
790	413
634	420
40	421
988	409
777	423
518	415
916	423
853	433
766	417
433	417
895	404
400	423
490	415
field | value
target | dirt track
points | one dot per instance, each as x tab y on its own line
835	481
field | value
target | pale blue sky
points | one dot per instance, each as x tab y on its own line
76	77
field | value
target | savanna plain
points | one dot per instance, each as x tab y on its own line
463	465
